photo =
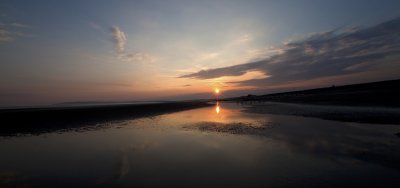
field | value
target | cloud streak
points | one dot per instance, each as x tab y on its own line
333	53
120	40
6	35
12	31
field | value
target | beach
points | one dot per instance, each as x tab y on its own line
201	144
50	119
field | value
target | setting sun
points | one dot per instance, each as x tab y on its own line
216	90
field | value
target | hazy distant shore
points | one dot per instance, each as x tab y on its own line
41	120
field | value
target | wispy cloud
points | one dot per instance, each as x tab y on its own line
6	35
11	31
19	25
120	40
333	53
98	27
137	57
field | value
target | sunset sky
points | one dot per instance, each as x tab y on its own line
65	51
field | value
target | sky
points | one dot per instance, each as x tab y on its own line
68	51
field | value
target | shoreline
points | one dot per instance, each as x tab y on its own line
44	120
357	114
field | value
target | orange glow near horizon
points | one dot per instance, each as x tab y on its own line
216	91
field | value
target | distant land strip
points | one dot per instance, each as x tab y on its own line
381	94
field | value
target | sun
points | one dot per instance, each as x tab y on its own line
216	91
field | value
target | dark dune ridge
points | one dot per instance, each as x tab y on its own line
43	120
382	94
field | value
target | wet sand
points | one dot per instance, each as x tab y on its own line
44	120
214	146
305	129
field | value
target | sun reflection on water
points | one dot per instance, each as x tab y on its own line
220	112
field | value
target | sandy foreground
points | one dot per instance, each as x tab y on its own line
42	120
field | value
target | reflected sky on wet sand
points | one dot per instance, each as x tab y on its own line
212	146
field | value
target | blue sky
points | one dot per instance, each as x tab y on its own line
58	51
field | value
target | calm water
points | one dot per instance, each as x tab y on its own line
219	146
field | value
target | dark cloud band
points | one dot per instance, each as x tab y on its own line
325	54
